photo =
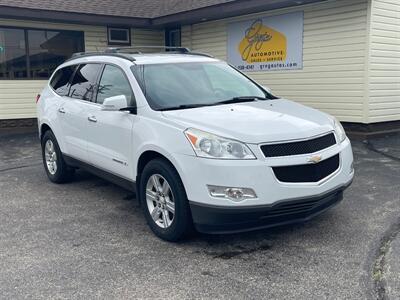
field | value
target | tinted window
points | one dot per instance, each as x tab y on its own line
84	81
60	80
173	37
47	49
114	83
119	36
13	63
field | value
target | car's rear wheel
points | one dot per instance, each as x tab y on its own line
164	201
56	168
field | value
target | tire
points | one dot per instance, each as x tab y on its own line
158	212
56	168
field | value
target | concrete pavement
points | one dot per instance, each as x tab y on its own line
88	239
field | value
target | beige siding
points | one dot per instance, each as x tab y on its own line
335	42
17	97
351	59
384	69
146	37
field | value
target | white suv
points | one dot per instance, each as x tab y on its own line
203	145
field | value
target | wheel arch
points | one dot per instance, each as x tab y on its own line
147	156
151	154
44	127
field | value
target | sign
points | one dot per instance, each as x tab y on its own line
270	43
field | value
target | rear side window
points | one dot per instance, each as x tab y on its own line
84	82
60	80
114	83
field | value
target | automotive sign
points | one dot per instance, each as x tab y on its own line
269	43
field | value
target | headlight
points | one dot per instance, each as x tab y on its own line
212	146
340	133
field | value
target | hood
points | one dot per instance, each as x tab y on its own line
256	122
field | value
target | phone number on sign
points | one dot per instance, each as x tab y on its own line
270	66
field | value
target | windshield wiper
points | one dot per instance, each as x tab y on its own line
229	101
241	99
185	106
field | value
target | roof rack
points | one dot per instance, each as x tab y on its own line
104	53
135	50
125	52
182	50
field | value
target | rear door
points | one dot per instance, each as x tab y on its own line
60	84
110	132
73	110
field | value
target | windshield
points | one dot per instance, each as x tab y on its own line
186	85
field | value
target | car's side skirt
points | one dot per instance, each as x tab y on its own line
120	181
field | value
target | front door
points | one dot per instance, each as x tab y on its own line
110	132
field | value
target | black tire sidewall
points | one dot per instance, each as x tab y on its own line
182	223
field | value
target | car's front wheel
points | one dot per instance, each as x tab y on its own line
164	201
56	168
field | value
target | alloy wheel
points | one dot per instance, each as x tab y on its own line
160	201
51	157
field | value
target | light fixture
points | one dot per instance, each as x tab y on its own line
232	193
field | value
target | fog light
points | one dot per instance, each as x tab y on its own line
232	193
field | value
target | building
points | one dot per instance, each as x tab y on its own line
340	56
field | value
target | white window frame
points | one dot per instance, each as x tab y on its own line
111	42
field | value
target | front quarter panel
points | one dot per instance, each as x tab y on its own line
158	134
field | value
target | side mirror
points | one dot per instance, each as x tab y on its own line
268	90
114	103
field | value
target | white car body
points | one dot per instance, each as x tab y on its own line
117	140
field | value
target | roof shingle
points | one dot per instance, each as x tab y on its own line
117	8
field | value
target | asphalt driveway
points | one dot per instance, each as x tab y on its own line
88	239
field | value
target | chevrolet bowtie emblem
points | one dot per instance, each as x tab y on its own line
315	159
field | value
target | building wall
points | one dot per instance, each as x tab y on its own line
17	97
334	75
351	59
384	58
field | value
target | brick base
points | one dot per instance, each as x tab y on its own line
18	125
363	131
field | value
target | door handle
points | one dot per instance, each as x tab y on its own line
61	110
92	119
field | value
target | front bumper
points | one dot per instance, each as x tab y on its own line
196	173
216	219
277	202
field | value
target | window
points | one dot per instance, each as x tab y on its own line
13	62
173	37
114	83
34	53
60	80
170	85
48	49
228	82
119	36
84	82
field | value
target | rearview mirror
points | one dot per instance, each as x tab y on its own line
114	103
